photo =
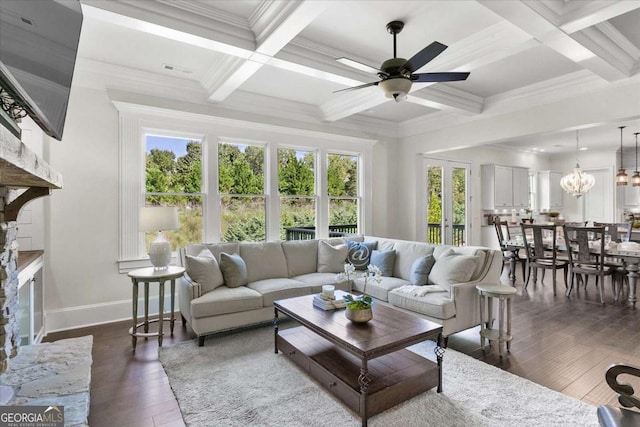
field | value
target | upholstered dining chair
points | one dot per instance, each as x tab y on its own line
581	243
502	230
541	247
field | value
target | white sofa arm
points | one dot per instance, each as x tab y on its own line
187	291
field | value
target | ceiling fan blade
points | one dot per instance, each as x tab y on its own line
359	66
439	77
357	87
427	54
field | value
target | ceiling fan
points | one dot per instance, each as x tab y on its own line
397	74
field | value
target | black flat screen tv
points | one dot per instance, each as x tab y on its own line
38	47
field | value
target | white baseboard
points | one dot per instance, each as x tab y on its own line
97	314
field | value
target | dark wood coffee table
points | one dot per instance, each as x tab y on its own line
367	365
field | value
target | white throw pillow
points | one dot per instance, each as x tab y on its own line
451	268
204	269
331	259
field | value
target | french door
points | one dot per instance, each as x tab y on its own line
446	202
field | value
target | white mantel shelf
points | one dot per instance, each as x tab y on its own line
21	167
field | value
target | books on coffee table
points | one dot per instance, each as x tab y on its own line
325	303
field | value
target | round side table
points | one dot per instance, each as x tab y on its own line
503	293
146	276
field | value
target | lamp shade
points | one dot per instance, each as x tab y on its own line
158	218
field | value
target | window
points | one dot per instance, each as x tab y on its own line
342	189
173	177
242	195
533	190
228	187
297	191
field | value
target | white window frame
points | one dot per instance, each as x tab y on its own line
316	179
135	120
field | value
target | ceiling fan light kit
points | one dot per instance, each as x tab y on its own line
396	74
396	88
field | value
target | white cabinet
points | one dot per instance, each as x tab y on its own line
631	196
504	187
549	190
520	188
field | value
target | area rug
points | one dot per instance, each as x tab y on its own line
237	380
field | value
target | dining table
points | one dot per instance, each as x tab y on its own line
630	258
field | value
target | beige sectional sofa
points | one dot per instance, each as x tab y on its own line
211	298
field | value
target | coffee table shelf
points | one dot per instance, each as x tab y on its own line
395	377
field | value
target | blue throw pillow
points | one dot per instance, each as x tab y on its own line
384	260
360	253
420	270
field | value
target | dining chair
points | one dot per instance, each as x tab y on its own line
583	246
504	235
542	251
618	232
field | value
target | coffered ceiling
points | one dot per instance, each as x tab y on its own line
274	56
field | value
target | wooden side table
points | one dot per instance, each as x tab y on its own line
503	293
146	276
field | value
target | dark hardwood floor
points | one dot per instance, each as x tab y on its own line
561	343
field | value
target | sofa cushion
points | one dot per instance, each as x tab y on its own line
275	289
406	253
224	300
384	260
316	280
379	290
301	255
360	253
433	304
420	270
331	259
452	267
204	269
265	260
234	270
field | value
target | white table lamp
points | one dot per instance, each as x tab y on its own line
159	218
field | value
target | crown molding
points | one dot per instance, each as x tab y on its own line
616	37
165	20
206	10
219	72
157	107
607	48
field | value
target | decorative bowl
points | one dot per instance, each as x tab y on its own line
359	316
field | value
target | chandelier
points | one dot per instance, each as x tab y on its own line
577	182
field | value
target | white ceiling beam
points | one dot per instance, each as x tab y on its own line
528	17
588	14
447	98
275	24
